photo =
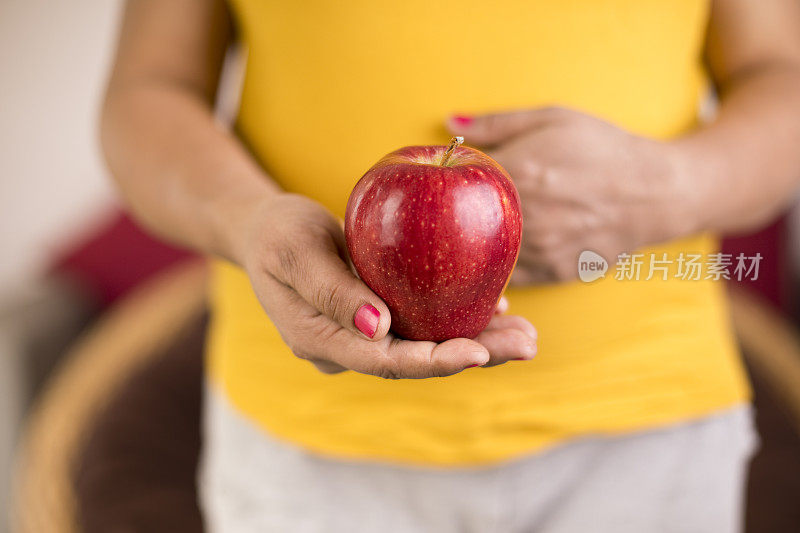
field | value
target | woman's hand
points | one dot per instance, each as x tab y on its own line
584	185
294	252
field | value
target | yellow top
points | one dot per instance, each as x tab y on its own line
364	77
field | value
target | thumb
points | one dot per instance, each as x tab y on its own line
495	128
323	280
335	291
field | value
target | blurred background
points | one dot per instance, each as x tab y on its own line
71	258
52	183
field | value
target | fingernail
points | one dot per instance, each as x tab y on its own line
473	366
462	120
366	320
518	359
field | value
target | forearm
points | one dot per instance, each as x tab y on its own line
184	176
745	165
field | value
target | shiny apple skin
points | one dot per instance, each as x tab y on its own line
436	243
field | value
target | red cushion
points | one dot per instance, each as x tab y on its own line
115	258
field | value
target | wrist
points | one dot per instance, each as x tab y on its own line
696	179
239	218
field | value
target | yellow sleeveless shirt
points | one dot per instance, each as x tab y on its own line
332	86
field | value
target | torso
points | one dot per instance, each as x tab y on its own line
331	87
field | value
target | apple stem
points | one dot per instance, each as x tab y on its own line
455	142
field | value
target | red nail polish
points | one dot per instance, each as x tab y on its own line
462	120
518	359
366	320
473	366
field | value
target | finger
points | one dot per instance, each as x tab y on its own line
560	264
415	359
532	256
502	306
321	277
319	339
527	274
402	359
332	347
492	129
520	278
507	344
513	322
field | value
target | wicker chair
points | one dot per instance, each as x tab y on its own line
129	337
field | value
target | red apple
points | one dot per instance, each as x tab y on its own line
435	232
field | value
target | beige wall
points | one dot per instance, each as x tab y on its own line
53	58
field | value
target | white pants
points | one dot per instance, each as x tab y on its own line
685	478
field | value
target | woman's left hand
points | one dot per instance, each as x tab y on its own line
584	185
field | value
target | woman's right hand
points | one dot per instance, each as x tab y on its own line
294	251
